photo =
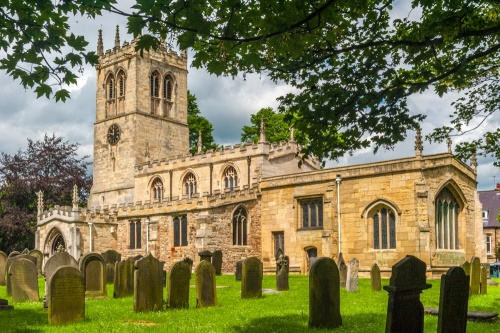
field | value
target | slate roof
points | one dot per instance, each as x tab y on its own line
491	202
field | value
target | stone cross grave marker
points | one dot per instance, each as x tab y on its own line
239	266
375	278
283	269
405	312
39	260
475	275
10	261
453	301
178	285
3	268
92	266
324	294
51	265
24	280
148	285
251	278
67	296
342	270
217	262
206	290
483	280
352	275
124	278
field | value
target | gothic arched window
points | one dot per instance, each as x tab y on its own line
447	210
157	190
168	88
384	228
155	84
230	178
189	185
240	222
110	87
121	83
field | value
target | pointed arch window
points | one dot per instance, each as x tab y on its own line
168	88
240	224
189	185
110	87
230	179
384	228
155	84
157	190
121	84
447	211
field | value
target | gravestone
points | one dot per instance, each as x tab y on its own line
475	275
67	296
205	255
483	280
39	260
239	266
124	278
4	305
352	276
110	273
206	291
148	285
283	269
93	270
13	254
189	261
25	251
178	285
453	301
10	261
375	278
405	312
217	262
111	256
51	265
251	278
24	281
342	270
3	268
324	294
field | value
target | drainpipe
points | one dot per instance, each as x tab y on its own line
90	230
339	181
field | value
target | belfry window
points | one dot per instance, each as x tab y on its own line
168	88
155	84
110	87
121	84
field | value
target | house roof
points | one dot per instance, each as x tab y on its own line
491	203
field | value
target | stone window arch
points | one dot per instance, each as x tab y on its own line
155	84
121	83
382	218
230	178
240	226
157	191
110	87
189	184
168	88
447	218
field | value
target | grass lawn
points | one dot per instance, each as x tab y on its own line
364	311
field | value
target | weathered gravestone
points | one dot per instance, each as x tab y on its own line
205	255
405	312
453	301
110	273
375	278
24	281
25	251
4	305
67	296
178	285
10	261
475	275
324	294
39	260
342	270
217	262
53	263
206	291
124	278
94	274
189	261
13	254
3	266
251	278
111	257
239	266
466	267
483	280
283	269
148	285
351	284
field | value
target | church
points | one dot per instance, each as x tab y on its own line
150	195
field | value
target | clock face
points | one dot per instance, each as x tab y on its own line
113	134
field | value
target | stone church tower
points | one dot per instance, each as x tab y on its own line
141	114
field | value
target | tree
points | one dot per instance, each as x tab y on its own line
198	124
51	166
276	129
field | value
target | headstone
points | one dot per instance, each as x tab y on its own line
205	255
453	301
93	270
342	270
483	280
24	281
466	267
189	261
178	285
25	251
375	278
13	254
124	278
3	266
53	263
405	312
206	291
148	285
239	266
4	305
110	273
67	296
324	294
283	269
111	256
352	276
10	261
217	262
475	275
39	260
251	278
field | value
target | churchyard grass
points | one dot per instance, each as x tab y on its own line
362	311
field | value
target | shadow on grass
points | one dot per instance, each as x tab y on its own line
286	323
24	320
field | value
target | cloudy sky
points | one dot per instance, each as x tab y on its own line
223	101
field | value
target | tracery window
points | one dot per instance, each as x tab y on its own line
447	210
189	185
157	190
312	213
384	228
230	178
110	87
168	87
121	84
155	84
240	223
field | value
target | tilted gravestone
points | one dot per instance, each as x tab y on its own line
239	266
93	269
217	262
24	281
10	261
342	270
283	269
405	312
39	260
251	278
324	294
453	301
124	278
178	285
51	265
206	290
3	268
351	284
483	280
67	296
375	278
148	285
475	275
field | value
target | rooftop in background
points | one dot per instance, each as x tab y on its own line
491	205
